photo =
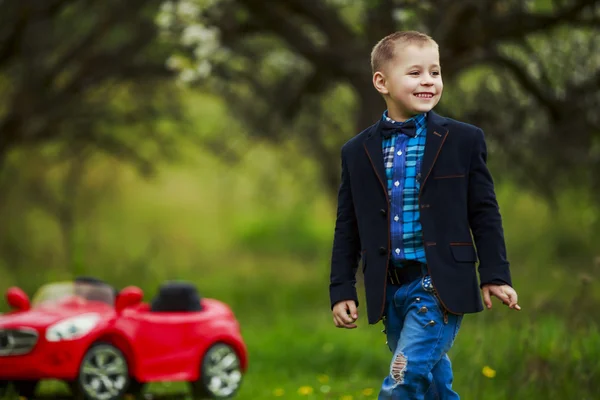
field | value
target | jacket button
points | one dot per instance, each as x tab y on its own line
425	206
382	250
383	212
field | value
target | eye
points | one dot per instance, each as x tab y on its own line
414	73
436	73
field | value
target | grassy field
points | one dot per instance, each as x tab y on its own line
259	238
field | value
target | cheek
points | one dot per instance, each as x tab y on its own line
405	85
440	85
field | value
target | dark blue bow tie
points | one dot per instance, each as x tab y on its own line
408	128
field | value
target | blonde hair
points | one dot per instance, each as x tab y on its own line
384	50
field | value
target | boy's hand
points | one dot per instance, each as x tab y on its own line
505	293
344	314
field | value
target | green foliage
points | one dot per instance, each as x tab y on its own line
294	234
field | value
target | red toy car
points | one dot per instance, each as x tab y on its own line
106	344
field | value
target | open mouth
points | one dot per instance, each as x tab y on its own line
424	95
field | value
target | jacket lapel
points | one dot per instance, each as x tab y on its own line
373	147
436	136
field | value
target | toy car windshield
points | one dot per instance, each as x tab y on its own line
56	293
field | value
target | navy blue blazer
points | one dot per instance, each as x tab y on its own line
459	215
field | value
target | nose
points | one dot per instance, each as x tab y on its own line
427	80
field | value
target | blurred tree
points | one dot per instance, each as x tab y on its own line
86	73
62	191
527	71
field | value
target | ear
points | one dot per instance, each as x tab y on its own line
379	82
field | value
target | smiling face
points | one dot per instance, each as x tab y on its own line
411	82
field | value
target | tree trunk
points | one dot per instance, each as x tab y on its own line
369	102
369	107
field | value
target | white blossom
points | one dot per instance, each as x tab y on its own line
174	63
187	76
167	7
203	69
199	34
399	15
164	20
188	9
185	18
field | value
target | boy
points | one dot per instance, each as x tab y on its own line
415	199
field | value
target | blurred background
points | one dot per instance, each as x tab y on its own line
146	140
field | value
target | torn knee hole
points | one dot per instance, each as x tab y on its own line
398	368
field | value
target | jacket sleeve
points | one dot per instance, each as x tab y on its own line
484	218
346	244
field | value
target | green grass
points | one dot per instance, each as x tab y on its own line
294	347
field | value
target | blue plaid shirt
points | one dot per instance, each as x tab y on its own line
403	157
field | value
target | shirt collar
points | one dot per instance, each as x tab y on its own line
419	118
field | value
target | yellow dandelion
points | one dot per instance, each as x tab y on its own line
346	397
368	391
305	390
278	392
488	372
323	378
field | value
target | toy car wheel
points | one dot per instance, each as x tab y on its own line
220	373
103	374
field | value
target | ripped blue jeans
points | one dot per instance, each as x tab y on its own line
419	334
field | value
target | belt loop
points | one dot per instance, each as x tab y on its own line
424	270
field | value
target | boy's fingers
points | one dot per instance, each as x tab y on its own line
336	321
336	318
516	307
513	300
341	314
352	309
508	296
500	294
503	297
344	317
344	314
341	324
486	297
512	297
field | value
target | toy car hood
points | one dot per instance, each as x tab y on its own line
38	317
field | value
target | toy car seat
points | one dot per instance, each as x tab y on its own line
176	297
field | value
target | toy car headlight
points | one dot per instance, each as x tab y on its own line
72	328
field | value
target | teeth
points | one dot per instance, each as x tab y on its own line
424	95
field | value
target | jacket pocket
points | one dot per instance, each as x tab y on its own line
449	176
449	173
464	253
